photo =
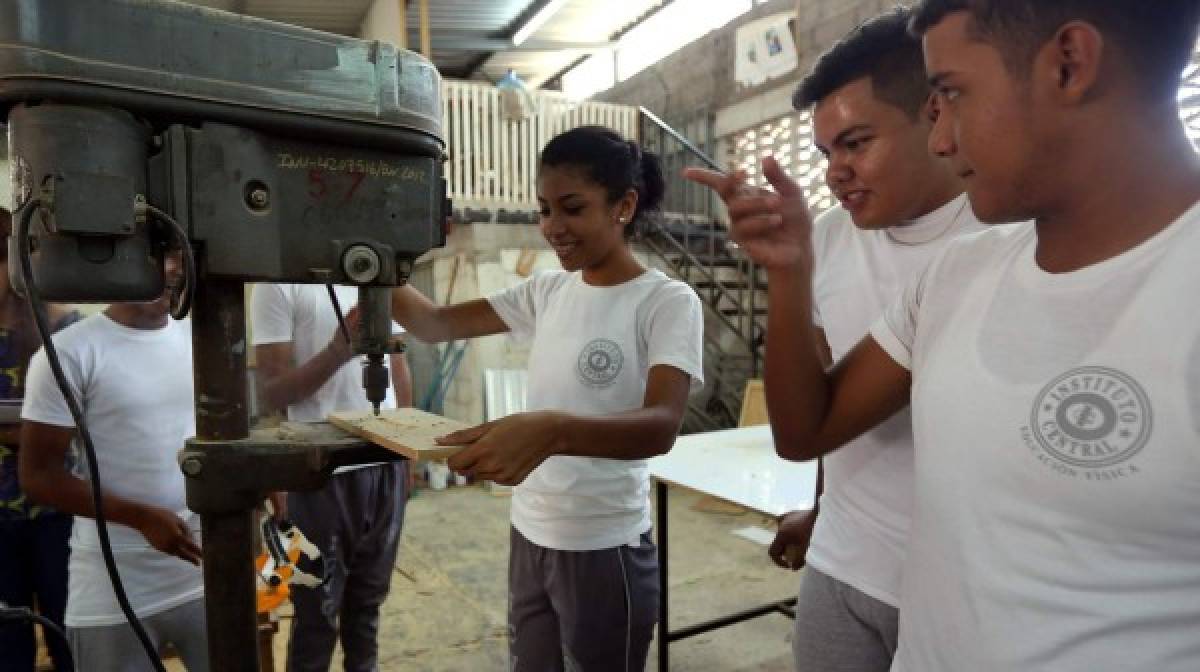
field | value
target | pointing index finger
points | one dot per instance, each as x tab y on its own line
725	185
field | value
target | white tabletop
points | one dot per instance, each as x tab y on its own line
739	466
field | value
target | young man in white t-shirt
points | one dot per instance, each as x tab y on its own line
305	365
1053	370
130	368
900	206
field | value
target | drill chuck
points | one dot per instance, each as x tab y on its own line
375	380
374	340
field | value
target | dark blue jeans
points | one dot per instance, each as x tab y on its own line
33	566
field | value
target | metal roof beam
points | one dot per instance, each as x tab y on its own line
475	42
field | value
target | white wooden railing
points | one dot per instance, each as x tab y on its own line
493	160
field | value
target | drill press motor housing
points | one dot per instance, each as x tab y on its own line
288	155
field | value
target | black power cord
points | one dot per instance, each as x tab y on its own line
26	615
43	326
337	310
181	309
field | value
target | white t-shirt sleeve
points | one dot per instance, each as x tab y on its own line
44	401
271	314
517	306
896	330
675	332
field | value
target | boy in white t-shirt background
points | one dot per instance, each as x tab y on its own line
899	206
306	367
1053	370
130	367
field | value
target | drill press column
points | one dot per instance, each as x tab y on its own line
219	349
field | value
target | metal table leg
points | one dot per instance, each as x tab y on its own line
664	636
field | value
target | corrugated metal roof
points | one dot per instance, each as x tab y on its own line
585	21
338	16
462	18
461	29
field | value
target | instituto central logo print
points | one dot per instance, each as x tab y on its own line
599	363
1092	417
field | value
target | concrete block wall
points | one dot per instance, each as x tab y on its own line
701	75
821	23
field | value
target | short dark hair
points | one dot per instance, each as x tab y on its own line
612	162
1157	36
881	48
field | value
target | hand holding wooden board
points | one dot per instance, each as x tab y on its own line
407	431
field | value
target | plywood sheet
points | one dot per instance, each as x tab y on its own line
407	431
754	405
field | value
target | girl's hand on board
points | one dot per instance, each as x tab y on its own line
508	449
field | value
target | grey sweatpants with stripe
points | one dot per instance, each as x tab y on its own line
115	648
841	629
591	611
355	520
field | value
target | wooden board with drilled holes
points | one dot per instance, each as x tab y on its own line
407	431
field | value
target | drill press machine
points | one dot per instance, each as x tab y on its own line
282	154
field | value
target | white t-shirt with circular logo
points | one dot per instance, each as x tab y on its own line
592	350
1056	521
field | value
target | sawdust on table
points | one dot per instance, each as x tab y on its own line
286	433
364	421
